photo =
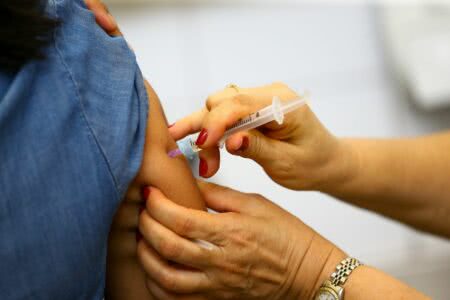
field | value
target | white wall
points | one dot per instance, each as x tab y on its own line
336	52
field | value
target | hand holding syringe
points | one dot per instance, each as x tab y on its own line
274	112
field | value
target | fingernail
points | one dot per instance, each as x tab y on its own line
138	236
171	125
203	167
141	209
145	193
245	144
202	137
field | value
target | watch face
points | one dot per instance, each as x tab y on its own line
323	295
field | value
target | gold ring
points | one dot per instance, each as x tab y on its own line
234	87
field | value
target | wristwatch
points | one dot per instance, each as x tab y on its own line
332	289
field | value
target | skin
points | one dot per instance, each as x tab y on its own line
241	263
415	190
258	251
301	155
246	258
125	277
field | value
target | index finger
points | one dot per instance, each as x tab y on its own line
194	122
189	223
224	115
188	125
103	17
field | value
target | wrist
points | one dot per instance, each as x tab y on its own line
342	167
329	268
317	264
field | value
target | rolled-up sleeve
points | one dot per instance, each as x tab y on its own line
109	86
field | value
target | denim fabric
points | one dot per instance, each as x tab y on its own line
72	131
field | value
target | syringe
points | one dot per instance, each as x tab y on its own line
274	112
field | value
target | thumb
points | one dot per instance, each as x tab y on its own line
223	199
255	146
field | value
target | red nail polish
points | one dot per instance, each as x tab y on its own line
145	193
138	236
171	125
203	167
245	144
202	137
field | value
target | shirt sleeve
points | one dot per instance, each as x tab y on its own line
109	86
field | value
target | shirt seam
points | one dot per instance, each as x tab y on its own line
83	112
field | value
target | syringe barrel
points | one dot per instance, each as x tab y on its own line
275	112
268	114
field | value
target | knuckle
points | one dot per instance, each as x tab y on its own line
149	283
140	250
242	99
231	221
169	249
166	280
255	148
218	189
145	221
206	256
279	84
285	169
228	296
184	225
211	102
256	201
155	288
256	196
150	202
236	100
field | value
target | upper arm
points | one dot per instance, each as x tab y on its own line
125	278
172	176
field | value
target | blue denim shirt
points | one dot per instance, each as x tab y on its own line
72	129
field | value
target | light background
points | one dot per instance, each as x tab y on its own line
336	51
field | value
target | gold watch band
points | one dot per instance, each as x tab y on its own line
333	287
343	271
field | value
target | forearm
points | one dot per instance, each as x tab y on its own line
369	283
320	262
406	179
